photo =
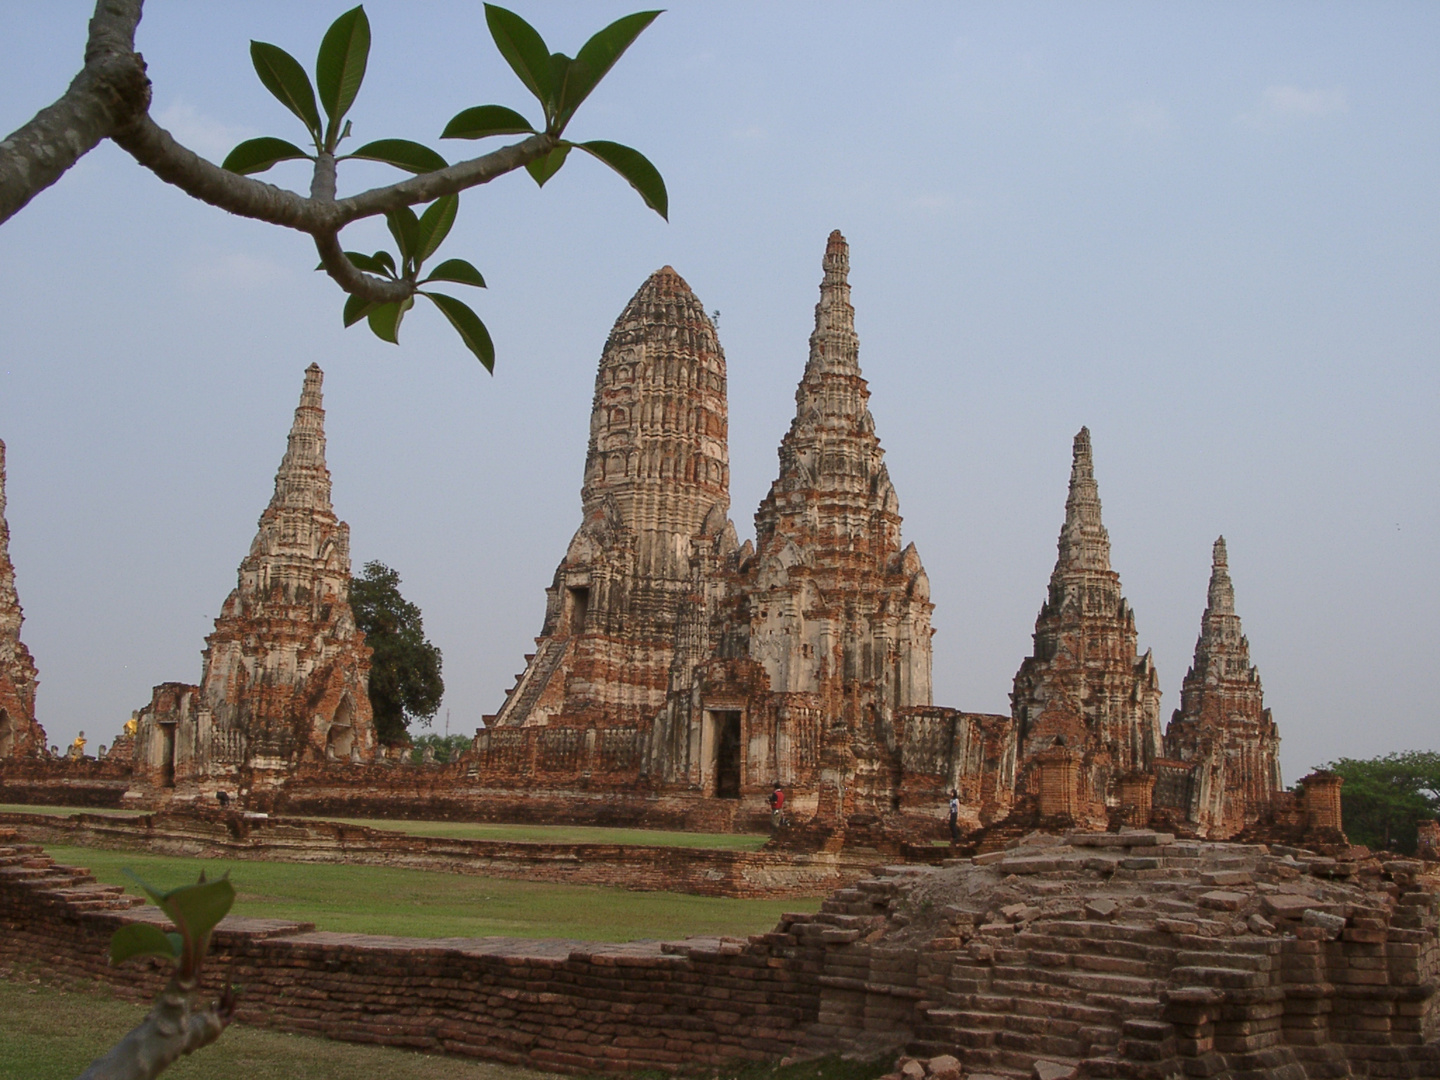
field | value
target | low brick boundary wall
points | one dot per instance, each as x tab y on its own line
698	871
546	1004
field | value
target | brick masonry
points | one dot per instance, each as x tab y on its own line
1102	955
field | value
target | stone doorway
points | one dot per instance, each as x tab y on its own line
7	735
577	605
340	739
167	755
726	726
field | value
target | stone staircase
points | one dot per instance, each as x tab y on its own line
28	864
531	682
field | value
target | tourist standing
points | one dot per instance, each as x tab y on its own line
954	816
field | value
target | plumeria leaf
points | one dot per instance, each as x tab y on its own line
286	79
595	59
340	67
485	120
637	171
526	53
404	226
541	169
458	271
435	225
385	319
257	155
402	153
356	308
142	939
468	325
386	263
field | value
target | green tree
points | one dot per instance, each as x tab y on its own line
447	747
1385	798
405	682
110	99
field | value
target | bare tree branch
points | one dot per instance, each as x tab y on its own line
173	1027
110	90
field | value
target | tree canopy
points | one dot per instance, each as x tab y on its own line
405	682
1384	798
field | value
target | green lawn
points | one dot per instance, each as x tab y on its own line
422	903
461	830
565	834
63	811
48	1034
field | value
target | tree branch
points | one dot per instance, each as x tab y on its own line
354	281
110	90
174	1027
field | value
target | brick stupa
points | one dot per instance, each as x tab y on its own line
1086	692
20	735
1222	724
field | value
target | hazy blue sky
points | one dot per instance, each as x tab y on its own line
1209	231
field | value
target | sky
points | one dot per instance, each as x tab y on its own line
1208	231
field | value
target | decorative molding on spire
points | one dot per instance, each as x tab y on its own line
20	735
1084	543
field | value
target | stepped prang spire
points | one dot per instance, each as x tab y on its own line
1222	593
20	735
1086	687
1222	727
1084	543
834	345
303	481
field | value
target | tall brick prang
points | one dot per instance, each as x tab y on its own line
20	735
656	491
1222	727
286	669
1086	686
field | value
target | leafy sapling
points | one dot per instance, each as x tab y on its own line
179	1022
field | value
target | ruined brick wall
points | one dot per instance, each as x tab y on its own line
21	736
1222	728
944	750
64	781
1085	685
1255	964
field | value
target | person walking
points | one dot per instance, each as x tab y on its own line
954	816
777	807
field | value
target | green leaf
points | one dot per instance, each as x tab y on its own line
404	226
596	59
257	155
340	66
485	120
468	325
195	909
365	262
435	225
356	308
385	319
526	53
142	939
458	271
385	262
402	153
637	171
541	169
286	79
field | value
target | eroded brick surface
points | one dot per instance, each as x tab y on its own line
285	677
1093	955
21	737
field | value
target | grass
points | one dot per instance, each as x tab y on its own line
462	830
422	903
565	834
48	1034
63	811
